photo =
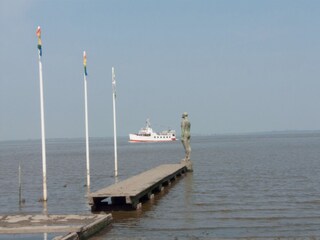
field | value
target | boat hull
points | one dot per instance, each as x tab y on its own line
151	138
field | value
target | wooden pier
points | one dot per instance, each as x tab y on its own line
128	194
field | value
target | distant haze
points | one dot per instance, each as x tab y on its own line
234	66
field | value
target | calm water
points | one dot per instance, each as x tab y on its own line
255	186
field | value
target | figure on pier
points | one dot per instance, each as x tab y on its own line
185	139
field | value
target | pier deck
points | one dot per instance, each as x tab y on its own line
128	194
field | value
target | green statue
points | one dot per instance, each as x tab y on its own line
185	135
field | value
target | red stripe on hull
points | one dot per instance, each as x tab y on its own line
170	140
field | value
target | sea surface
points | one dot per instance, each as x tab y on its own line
243	186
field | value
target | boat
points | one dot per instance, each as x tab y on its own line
146	134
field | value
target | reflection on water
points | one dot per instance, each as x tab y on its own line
242	186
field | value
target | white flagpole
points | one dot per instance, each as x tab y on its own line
43	138
86	117
114	123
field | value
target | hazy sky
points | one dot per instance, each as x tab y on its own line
235	66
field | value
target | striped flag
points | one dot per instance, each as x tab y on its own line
38	32
85	63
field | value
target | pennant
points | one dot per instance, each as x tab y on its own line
85	63
38	32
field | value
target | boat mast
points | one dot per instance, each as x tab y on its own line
148	123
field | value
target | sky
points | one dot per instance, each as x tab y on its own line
234	66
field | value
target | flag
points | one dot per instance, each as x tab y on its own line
38	32
114	82
85	63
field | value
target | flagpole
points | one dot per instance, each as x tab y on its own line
114	124
43	138
86	116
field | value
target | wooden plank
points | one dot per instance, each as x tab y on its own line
131	190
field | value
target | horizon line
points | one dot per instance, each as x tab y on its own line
194	134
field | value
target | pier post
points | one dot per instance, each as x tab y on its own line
20	200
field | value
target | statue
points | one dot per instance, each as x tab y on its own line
185	139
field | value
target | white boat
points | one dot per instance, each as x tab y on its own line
146	134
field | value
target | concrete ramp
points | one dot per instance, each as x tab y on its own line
78	226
